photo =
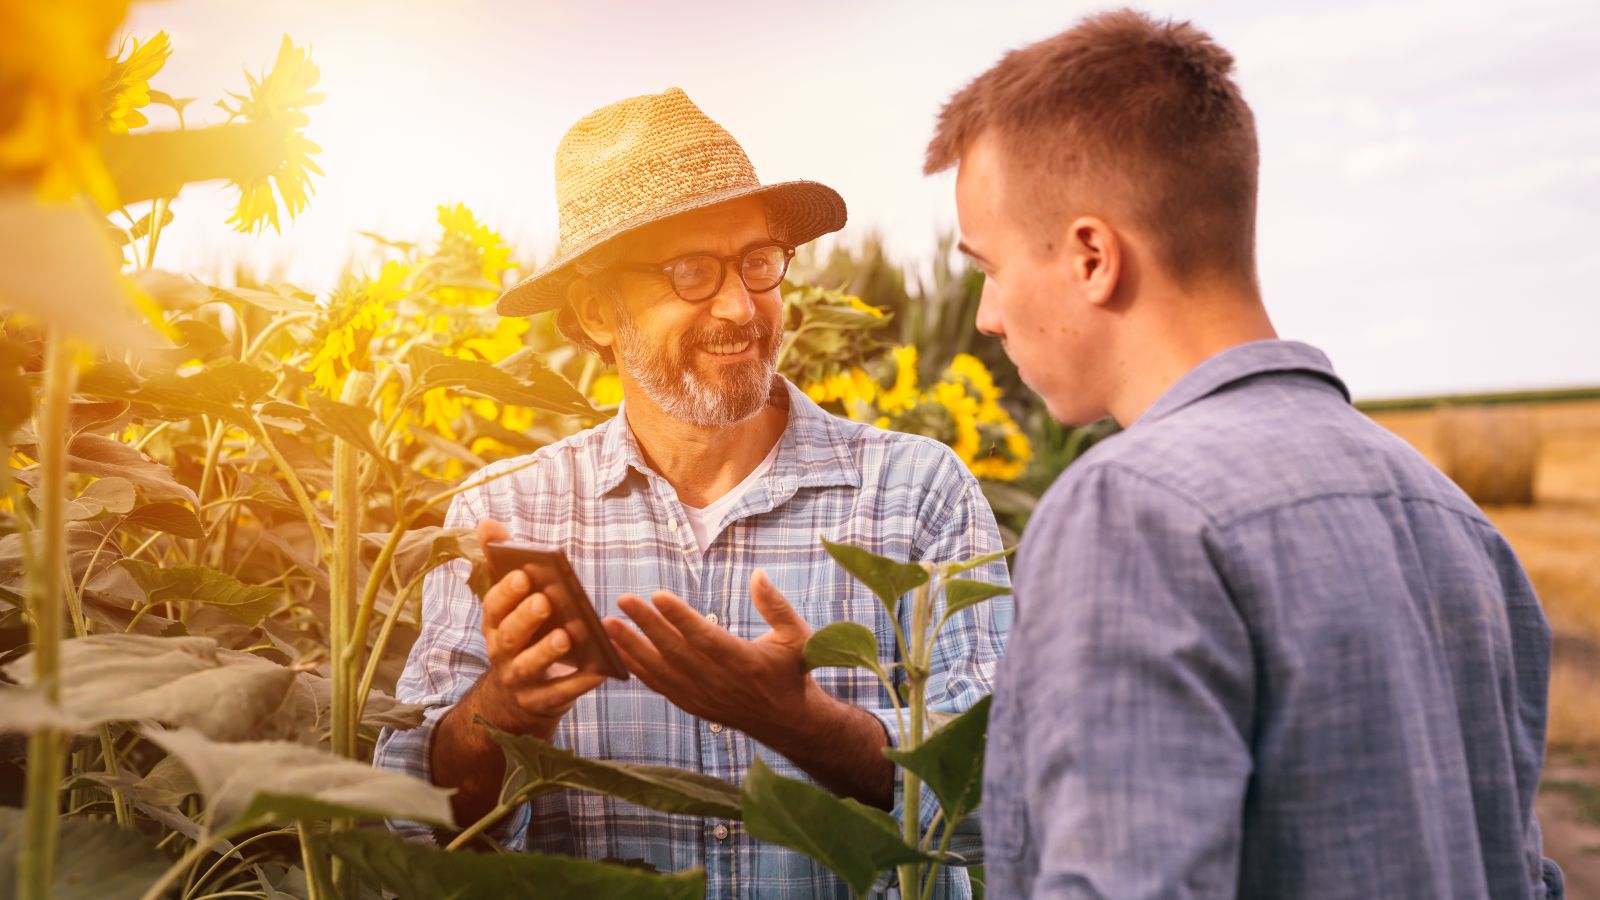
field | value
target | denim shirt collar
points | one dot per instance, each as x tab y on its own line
1238	363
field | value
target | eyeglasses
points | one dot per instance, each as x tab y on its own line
697	277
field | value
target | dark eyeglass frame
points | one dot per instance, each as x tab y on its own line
664	268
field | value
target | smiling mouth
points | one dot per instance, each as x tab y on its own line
730	349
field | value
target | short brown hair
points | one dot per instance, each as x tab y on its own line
1121	100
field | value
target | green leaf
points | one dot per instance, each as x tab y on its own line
960	593
57	265
271	782
248	603
540	389
949	570
547	768
422	549
347	421
845	644
855	841
280	300
225	390
170	518
109	494
886	577
180	680
94	860
420	872
93	454
25	711
950	761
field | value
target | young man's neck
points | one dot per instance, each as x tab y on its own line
1169	338
702	464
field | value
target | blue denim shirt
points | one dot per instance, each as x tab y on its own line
1263	649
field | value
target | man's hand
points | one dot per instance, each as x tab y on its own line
707	672
759	687
520	693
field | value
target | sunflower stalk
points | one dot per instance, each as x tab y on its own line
46	585
916	704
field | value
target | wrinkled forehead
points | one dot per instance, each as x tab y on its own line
725	228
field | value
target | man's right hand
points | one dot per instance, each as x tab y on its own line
519	693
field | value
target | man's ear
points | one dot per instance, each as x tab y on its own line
1095	257
592	312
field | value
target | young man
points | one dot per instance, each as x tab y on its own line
708	492
1265	650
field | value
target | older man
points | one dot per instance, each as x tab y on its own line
708	492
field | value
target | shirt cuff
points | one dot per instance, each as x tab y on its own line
410	752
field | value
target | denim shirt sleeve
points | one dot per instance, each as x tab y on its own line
1127	699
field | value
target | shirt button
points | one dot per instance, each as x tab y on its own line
720	832
712	618
716	728
672	524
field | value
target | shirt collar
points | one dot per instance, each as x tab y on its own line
1238	363
813	451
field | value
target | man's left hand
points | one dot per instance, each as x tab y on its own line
760	687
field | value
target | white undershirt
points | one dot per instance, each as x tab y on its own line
705	521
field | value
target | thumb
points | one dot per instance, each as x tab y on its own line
773	607
489	530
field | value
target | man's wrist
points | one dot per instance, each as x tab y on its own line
819	713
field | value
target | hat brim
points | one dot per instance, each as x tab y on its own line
797	211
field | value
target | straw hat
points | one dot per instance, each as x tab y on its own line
648	158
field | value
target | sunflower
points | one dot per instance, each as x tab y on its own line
471	248
52	66
280	96
357	314
127	88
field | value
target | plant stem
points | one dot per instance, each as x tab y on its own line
185	863
316	875
296	489
916	706
351	659
46	583
343	638
108	749
487	822
235	849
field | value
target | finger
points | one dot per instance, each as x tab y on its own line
522	623
558	693
504	597
490	530
530	664
667	639
638	653
775	608
708	638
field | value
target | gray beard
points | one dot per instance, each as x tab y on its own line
680	390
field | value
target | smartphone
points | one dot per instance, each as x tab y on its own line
551	574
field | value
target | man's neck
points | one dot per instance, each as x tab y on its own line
1170	338
702	464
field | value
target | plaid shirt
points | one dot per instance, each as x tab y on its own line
624	530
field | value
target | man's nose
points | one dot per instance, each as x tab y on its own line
732	302
988	319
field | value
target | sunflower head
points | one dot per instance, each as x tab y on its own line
280	96
127	87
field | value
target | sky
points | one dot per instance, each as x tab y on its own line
1430	180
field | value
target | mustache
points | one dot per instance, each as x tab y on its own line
756	331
